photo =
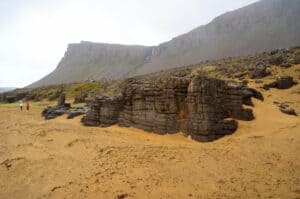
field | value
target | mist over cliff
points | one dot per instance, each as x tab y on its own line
262	26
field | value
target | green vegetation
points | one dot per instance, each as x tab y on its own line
76	89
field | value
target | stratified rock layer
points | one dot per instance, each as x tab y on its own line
154	105
204	108
104	111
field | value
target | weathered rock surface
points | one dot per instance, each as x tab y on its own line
104	111
211	105
76	112
202	107
154	105
53	112
283	82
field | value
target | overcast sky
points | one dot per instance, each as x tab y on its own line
34	34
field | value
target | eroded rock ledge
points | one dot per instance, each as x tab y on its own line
203	108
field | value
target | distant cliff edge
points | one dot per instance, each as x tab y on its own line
262	26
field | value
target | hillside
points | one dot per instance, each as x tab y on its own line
95	61
262	26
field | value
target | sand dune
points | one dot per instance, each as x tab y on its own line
62	159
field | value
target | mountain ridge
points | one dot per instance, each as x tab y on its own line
261	26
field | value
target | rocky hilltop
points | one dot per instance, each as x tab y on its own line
262	26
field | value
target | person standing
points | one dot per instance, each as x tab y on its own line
21	105
27	105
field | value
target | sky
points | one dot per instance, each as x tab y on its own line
34	34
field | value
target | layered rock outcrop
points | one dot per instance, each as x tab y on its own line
104	111
154	105
202	107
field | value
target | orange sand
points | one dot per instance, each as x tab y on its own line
62	159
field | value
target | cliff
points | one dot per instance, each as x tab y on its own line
94	61
262	26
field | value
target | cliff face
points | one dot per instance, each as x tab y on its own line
86	61
262	26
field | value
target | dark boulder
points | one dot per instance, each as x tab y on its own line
53	112
283	82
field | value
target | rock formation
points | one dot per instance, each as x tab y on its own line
104	111
202	107
53	112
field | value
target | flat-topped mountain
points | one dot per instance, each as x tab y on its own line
95	61
262	26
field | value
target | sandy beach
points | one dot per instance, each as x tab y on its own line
61	158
